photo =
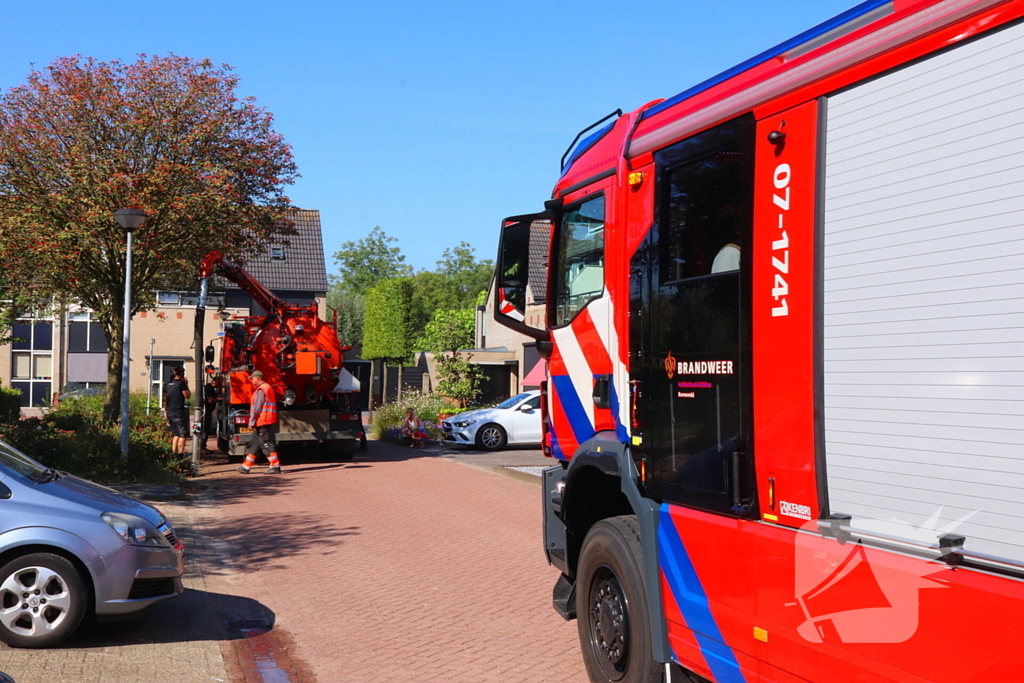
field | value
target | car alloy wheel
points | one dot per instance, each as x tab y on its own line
491	437
33	601
42	600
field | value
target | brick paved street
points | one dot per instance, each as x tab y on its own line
398	566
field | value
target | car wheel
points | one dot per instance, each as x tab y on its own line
42	600
611	605
491	437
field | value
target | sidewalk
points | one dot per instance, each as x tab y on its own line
174	642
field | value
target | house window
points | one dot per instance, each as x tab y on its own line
187	300
86	334
168	298
277	253
32	361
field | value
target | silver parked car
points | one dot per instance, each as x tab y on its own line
513	421
68	545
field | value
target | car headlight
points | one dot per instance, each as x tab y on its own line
135	530
464	423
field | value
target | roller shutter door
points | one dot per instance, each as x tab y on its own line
923	275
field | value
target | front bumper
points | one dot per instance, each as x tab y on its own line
132	578
462	436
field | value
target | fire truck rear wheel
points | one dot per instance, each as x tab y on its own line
223	445
611	605
491	437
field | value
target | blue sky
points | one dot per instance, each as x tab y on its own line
433	120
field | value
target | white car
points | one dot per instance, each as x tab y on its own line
514	421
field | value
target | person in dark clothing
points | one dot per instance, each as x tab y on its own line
176	392
212	394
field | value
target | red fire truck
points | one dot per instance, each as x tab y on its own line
785	349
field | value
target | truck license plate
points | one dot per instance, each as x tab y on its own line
245	430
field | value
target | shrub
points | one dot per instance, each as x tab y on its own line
10	404
74	438
387	419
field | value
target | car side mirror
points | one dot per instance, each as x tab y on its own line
210	353
526	408
5	492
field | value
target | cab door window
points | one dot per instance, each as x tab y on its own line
699	393
579	259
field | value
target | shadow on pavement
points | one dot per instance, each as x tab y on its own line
262	541
195	615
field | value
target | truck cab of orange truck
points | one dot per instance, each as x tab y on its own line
784	385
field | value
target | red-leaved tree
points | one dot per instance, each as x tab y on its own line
168	135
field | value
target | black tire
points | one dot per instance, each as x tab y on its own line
611	605
491	437
64	585
223	445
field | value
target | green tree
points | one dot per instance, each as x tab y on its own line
366	262
362	264
458	377
455	284
465	276
168	135
387	328
429	294
15	300
350	307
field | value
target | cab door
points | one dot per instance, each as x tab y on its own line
694	405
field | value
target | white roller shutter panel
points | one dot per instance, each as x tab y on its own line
924	294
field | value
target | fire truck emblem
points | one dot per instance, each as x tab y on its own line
670	365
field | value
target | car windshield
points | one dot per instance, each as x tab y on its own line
20	463
510	402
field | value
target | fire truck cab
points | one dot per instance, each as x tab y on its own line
786	361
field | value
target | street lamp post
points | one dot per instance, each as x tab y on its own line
129	219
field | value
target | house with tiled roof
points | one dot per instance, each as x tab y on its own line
293	268
58	351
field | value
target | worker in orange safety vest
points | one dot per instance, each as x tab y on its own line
262	418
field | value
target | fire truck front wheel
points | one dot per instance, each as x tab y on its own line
611	605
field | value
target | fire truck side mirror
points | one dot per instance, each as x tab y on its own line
209	354
513	270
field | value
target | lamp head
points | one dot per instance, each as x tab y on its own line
130	219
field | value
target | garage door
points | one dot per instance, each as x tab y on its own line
924	294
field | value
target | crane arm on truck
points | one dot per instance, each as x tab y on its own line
216	262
